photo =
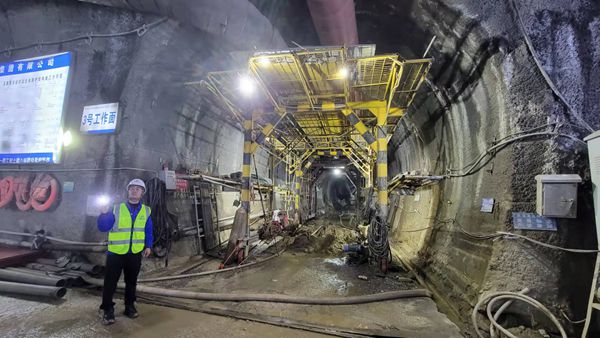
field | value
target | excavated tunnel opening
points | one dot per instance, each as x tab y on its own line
317	142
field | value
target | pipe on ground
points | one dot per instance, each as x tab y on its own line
272	298
71	278
55	239
205	273
32	290
90	268
58	247
21	277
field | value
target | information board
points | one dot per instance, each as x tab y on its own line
32	96
100	119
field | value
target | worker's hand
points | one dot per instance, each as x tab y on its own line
147	252
104	209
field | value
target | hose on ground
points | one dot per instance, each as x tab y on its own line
272	298
493	297
205	273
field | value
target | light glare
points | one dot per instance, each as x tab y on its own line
264	61
102	200
247	86
67	138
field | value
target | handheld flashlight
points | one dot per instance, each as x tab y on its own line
103	200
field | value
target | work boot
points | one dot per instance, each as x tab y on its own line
130	311
109	316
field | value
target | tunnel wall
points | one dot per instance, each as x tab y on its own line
162	120
485	87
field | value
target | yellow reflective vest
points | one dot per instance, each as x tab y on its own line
124	234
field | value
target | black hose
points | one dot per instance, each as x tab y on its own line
205	273
272	298
379	245
163	221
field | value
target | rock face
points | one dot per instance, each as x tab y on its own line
485	88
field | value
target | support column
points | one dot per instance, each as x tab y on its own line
382	171
299	174
360	127
378	231
246	165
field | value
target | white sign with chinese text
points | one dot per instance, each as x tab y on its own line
32	96
100	119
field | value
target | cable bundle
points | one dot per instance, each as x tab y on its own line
379	246
164	222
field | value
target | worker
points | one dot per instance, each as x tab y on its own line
129	229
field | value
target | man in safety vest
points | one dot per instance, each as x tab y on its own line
129	229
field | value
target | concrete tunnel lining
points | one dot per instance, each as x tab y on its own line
484	86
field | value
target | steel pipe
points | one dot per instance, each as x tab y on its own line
21	277
32	290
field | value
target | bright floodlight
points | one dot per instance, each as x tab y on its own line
67	138
337	171
103	200
343	72
247	86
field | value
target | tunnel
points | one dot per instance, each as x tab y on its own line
341	150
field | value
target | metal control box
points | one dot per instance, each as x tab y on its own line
593	142
557	195
169	177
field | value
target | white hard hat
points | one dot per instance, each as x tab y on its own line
137	182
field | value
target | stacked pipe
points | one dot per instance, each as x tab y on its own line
31	284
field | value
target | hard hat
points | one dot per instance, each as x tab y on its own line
137	182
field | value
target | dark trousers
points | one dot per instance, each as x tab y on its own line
130	265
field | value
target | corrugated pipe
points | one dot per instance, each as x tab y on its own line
33	290
272	298
21	277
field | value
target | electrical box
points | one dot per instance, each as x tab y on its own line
169	177
557	195
593	141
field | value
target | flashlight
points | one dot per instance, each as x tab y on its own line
103	200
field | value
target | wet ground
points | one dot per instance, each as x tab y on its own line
316	275
77	316
312	270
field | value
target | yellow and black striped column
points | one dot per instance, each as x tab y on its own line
382	172
246	165
360	127
299	174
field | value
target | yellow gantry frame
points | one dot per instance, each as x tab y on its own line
324	101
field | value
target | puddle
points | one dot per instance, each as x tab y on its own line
336	261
